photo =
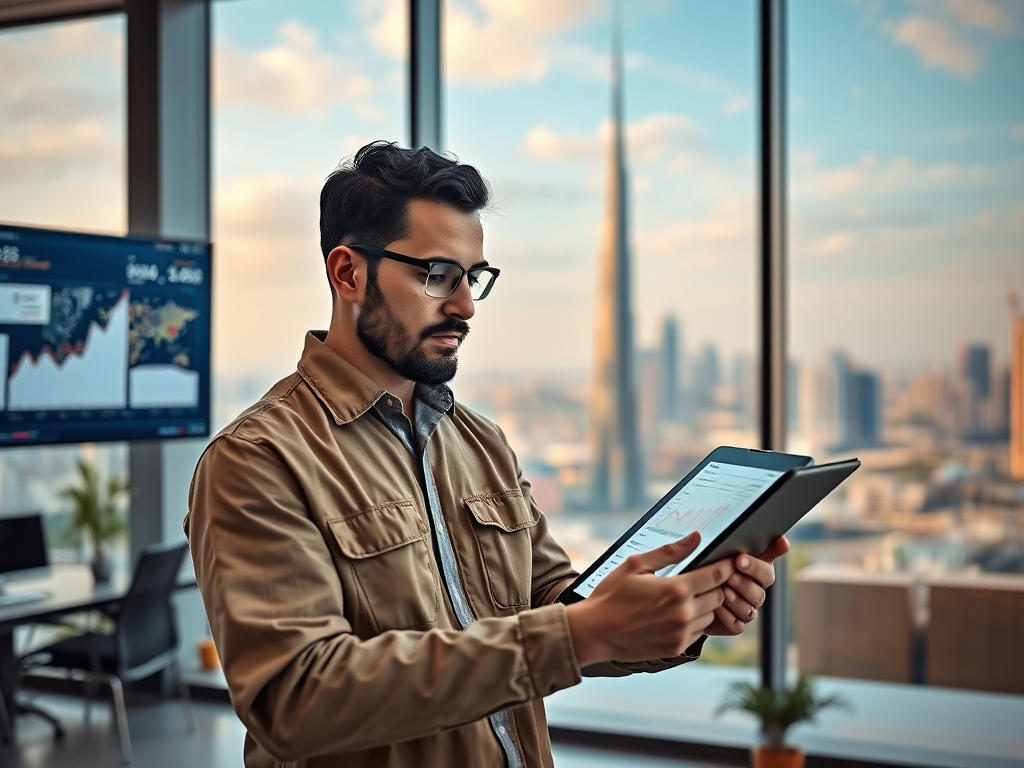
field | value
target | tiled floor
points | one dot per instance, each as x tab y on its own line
160	740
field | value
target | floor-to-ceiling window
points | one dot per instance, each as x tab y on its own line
907	197
298	86
529	101
62	166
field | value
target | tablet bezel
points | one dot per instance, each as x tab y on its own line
749	457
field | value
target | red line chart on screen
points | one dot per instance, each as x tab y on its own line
93	375
709	503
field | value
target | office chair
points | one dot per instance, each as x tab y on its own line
5	724
144	642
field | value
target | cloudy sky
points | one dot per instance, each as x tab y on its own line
906	164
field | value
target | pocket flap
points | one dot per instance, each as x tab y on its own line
378	529
507	510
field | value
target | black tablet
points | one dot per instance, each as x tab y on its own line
740	499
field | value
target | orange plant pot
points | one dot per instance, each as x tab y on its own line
766	757
208	658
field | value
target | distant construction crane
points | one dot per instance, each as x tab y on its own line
1016	383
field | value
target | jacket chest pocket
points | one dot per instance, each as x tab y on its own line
503	523
388	550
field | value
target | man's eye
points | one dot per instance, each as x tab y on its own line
435	278
473	278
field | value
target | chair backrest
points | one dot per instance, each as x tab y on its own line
146	629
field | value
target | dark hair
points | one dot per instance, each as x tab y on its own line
366	199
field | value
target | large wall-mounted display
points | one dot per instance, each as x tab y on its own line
102	338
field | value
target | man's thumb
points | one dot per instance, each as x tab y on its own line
656	559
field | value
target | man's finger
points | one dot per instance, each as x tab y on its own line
659	558
708	577
741	606
708	602
748	589
775	550
761	572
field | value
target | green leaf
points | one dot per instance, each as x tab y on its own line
780	710
96	506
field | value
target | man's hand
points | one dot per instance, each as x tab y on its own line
745	590
634	615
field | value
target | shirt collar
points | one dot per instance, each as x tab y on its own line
346	391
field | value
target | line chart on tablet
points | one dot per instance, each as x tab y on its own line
681	520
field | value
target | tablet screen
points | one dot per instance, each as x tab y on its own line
709	503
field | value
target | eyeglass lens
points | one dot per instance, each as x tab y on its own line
443	279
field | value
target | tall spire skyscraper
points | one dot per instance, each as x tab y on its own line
617	478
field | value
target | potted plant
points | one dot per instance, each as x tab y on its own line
96	514
778	711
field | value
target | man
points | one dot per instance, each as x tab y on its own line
377	578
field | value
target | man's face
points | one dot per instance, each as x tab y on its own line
418	335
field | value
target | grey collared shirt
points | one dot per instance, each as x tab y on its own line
430	404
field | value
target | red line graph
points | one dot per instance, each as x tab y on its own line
687	520
65	351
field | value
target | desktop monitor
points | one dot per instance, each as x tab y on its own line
102	338
23	554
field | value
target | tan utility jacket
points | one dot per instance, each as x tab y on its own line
314	552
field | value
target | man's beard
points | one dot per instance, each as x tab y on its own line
383	336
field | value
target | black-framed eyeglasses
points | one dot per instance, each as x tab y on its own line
443	277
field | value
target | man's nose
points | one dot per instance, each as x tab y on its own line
460	304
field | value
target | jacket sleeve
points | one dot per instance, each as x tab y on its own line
553	572
300	680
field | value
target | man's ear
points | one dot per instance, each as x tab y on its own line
347	273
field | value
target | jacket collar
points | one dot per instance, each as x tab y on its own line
346	391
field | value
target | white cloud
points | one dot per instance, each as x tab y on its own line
711	239
981	14
806	160
736	105
660	138
503	41
870	176
62	146
296	75
954	35
939	45
271	286
390	32
268	219
543	143
41	149
832	245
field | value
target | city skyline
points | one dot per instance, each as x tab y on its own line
905	211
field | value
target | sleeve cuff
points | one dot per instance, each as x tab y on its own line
657	665
547	647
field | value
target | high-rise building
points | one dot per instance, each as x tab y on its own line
1016	390
974	384
668	369
707	376
842	405
863	415
744	381
975	365
617	470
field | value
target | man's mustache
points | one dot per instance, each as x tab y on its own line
446	326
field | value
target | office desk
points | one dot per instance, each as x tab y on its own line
70	589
